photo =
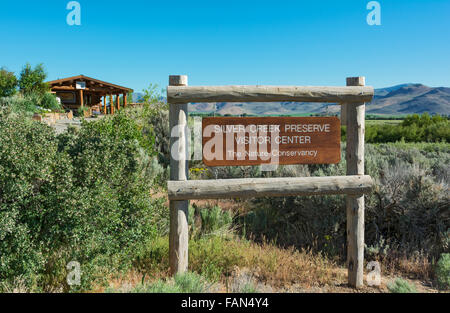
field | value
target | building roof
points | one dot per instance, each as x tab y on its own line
95	83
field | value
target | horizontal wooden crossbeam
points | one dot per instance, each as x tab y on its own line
186	94
265	187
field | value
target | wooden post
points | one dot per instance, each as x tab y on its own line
178	237
351	81
104	105
118	102
81	98
111	104
355	204
125	100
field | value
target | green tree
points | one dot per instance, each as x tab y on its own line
32	80
151	94
8	83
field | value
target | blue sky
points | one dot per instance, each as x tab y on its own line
134	43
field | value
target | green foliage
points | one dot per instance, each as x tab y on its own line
83	195
443	271
401	286
122	127
213	258
406	214
8	83
31	80
414	128
152	256
214	219
191	283
31	103
153	120
151	95
20	104
48	101
209	221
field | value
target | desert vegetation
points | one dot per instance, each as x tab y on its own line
97	195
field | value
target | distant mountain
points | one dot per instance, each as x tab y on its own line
137	96
409	99
395	100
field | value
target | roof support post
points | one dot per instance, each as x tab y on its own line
111	103
104	105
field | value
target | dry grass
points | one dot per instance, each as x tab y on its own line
232	264
269	264
414	266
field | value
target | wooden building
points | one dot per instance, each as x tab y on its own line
96	95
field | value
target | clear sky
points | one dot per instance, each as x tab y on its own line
134	43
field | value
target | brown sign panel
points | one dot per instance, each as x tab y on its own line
238	141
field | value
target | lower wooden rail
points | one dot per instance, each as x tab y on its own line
269	187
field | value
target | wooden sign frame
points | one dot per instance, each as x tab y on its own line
180	190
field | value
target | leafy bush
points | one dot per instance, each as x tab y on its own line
214	257
32	80
443	271
8	83
414	128
83	195
48	101
401	286
153	122
31	103
214	219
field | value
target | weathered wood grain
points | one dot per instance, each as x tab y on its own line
268	187
355	204
181	94
178	237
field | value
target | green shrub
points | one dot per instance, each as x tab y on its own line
191	283
48	101
414	128
214	220
81	111
31	103
401	286
209	221
8	83
32	80
213	258
19	104
152	257
83	196
153	120
443	271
